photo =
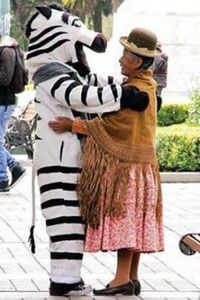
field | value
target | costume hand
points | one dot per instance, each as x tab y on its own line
61	124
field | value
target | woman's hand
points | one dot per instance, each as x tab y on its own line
61	124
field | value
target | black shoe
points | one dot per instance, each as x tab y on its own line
137	286
18	173
75	289
125	289
4	187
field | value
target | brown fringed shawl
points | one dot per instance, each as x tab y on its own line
116	142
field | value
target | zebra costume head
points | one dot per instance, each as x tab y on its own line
56	35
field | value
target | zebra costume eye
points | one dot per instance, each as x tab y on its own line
71	20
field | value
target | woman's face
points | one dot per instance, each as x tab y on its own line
129	62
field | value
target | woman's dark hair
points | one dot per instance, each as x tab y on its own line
146	62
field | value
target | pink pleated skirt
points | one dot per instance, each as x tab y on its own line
140	230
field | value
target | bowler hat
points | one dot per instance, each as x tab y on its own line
141	41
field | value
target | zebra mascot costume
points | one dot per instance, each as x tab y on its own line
55	60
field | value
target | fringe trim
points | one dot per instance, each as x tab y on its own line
159	206
94	186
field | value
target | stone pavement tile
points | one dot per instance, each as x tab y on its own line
42	283
104	280
99	263
156	266
146	269
28	296
31	267
99	268
149	259
5	253
85	271
7	234
183	266
145	286
24	285
127	298
11	267
1	271
153	298
26	261
6	285
22	231
179	298
18	251
10	298
166	295
42	256
95	283
104	277
182	284
107	259
160	284
40	231
88	297
95	298
35	296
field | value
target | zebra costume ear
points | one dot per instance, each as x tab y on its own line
45	11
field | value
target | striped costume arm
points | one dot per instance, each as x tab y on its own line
102	80
84	98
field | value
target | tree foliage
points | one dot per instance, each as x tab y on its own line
21	10
93	10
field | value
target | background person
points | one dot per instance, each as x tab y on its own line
7	107
159	68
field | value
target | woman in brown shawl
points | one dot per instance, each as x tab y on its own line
119	188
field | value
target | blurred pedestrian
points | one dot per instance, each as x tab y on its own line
159	68
8	48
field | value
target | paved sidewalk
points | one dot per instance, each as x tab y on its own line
168	275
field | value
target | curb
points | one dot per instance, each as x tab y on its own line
182	177
166	177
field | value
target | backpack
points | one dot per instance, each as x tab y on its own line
20	75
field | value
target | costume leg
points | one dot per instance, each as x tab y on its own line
60	207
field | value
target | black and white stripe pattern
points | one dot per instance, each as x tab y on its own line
85	98
50	31
60	208
57	157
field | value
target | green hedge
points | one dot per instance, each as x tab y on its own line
179	148
172	114
194	108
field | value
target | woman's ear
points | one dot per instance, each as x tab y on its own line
139	62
